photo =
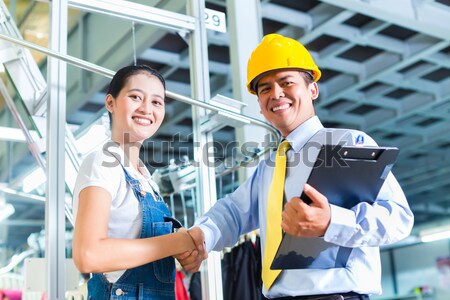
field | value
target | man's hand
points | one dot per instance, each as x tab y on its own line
303	220
192	260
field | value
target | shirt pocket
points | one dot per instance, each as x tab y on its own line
164	268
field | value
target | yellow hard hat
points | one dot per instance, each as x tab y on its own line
277	52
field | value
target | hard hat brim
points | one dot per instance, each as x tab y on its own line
254	83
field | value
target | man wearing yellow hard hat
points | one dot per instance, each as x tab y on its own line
283	75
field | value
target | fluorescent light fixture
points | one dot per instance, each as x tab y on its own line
6	210
435	234
16	134
34	180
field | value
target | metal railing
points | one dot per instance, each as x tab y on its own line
108	73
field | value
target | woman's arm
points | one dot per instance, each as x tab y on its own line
95	252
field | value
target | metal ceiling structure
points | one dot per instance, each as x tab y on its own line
385	66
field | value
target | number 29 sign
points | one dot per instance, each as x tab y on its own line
215	20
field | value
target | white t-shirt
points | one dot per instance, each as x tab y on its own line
102	169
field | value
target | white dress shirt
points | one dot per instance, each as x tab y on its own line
364	227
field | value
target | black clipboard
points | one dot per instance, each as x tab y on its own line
346	175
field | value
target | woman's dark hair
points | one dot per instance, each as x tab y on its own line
121	77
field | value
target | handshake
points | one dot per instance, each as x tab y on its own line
192	259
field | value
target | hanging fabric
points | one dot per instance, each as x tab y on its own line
241	273
180	290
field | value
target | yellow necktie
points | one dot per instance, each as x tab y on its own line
273	216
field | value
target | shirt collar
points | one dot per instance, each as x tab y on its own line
303	133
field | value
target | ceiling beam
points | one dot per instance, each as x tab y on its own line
419	16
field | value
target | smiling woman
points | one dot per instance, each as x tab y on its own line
137	109
123	228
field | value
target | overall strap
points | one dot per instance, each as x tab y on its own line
133	182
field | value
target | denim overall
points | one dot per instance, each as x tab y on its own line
154	280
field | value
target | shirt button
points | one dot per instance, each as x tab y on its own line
119	292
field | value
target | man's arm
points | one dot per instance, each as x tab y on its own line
388	220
